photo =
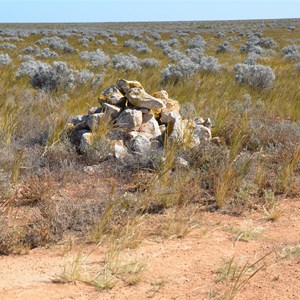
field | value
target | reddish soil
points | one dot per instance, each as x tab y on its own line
175	268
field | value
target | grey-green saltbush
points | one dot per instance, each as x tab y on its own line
96	58
126	62
45	76
5	59
257	76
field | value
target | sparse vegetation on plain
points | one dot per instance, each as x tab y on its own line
82	158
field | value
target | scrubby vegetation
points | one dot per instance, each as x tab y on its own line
244	77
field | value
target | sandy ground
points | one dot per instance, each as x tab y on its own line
175	268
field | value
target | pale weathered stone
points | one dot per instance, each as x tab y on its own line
140	98
140	144
120	151
176	130
162	128
93	121
87	139
130	118
206	123
94	110
150	126
132	134
170	105
181	163
78	123
113	96
110	109
126	85
167	117
203	133
161	95
75	136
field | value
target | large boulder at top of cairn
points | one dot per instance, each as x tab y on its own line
140	98
138	121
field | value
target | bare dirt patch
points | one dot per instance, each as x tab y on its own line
184	268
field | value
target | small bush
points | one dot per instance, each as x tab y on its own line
224	47
150	63
96	58
126	62
5	60
83	76
47	53
138	46
113	40
56	43
84	41
7	46
290	52
257	76
184	69
46	77
31	49
196	43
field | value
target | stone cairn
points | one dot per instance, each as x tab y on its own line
140	121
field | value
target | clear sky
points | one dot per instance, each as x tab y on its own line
144	10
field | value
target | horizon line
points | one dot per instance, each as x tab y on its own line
143	21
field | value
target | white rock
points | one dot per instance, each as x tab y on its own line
150	126
140	144
203	133
93	121
112	95
111	109
87	139
167	117
130	118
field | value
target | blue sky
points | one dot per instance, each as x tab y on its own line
144	10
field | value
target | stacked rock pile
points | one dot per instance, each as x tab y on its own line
140	121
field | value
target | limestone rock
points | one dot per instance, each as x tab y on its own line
170	105
202	130
86	139
163	95
140	98
169	116
94	110
113	96
150	126
132	134
163	129
78	123
130	118
76	136
120	151
140	144
93	121
181	163
176	130
110	109
203	133
126	85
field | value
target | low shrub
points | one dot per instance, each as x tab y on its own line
257	76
